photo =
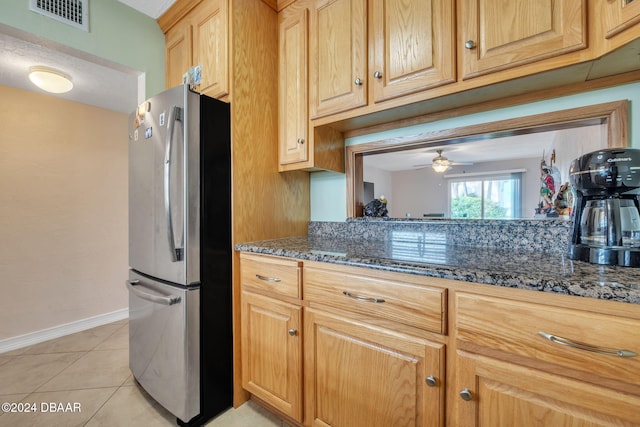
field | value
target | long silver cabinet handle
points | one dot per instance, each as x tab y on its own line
362	298
170	300
268	279
588	347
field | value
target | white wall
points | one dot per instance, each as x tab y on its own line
63	212
580	142
418	192
382	181
425	191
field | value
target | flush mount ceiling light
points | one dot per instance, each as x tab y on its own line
440	163
50	80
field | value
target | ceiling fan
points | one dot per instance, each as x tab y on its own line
440	163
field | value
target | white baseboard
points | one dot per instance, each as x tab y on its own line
62	330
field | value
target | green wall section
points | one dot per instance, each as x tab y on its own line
117	33
328	189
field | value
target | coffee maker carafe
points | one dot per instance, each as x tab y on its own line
607	207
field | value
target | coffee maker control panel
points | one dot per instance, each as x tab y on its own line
604	172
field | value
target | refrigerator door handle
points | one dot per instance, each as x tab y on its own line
175	114
168	300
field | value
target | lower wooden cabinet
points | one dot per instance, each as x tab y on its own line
525	363
501	394
272	352
329	345
362	376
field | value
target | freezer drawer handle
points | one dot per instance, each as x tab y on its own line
588	347
175	115
169	300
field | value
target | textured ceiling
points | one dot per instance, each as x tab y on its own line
95	81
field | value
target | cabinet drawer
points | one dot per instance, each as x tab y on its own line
403	302
277	276
515	327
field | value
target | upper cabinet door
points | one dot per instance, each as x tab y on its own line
412	46
210	30
177	53
338	56
499	34
620	15
293	24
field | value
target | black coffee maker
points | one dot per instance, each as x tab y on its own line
607	207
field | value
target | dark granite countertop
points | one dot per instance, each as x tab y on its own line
501	267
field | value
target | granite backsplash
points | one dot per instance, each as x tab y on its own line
550	236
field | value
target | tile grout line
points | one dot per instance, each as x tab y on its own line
61	371
102	406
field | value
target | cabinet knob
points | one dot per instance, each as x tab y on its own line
300	141
466	395
469	44
358	81
377	75
293	332
431	381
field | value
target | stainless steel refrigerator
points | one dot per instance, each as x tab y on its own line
180	253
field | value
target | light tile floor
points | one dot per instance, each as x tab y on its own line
84	379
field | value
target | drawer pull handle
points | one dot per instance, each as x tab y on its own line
268	279
587	347
362	298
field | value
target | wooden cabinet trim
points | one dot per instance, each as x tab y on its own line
175	13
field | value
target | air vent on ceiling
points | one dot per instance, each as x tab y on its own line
71	12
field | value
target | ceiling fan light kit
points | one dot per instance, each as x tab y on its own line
441	163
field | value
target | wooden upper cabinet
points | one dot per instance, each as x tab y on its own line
200	37
412	44
360	55
338	56
620	15
177	53
210	47
497	34
293	24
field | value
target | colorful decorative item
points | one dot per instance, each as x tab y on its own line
549	185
